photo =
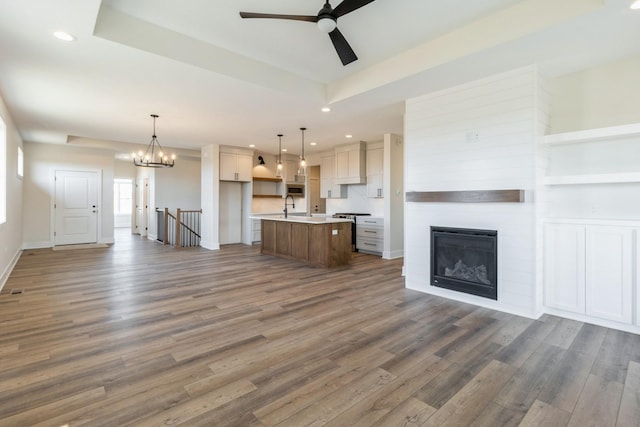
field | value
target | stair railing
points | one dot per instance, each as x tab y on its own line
181	229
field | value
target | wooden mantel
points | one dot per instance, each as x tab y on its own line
475	196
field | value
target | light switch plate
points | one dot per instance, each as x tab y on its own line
334	232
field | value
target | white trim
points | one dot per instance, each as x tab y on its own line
593	320
393	254
588	221
475	300
603	178
612	132
9	269
37	245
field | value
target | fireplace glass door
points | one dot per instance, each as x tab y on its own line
465	260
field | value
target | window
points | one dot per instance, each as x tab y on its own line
3	172
20	163
122	196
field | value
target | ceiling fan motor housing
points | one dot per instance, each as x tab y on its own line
327	22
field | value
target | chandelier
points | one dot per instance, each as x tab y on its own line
154	157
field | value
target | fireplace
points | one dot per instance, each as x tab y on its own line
465	260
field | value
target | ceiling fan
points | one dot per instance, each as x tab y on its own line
327	20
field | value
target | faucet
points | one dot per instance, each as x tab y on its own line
293	204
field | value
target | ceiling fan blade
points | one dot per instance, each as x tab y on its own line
276	16
348	6
346	54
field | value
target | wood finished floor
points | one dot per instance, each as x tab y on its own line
148	335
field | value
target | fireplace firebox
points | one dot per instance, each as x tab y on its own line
465	260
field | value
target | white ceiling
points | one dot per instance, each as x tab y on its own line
216	78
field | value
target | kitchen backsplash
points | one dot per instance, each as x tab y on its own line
357	201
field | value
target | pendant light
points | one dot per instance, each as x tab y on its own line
279	165
154	157
302	169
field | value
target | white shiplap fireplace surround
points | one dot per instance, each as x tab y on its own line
479	136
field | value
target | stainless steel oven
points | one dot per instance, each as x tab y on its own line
352	216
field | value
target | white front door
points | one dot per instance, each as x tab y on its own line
230	212
76	207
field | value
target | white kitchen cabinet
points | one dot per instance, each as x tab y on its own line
564	259
370	234
290	169
608	276
589	270
328	187
351	164
256	227
375	165
236	167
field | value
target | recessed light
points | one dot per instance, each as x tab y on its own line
313	143
635	4
327	109
64	36
284	150
348	136
252	145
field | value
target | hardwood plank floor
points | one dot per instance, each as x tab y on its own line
142	334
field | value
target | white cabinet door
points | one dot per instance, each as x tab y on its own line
236	167
374	173
328	187
227	167
564	267
244	167
608	273
290	170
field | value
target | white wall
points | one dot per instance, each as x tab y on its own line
11	231
179	186
41	162
602	96
477	136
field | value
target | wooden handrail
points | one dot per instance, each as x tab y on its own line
178	227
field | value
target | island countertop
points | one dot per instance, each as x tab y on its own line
302	219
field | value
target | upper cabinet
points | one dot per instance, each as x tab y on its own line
235	165
351	164
289	169
375	167
328	187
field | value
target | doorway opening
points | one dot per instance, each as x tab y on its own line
122	203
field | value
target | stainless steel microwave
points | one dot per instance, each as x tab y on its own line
295	190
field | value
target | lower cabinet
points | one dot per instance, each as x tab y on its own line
588	269
370	234
256	235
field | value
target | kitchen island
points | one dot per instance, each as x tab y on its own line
318	241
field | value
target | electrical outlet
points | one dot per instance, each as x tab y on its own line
334	232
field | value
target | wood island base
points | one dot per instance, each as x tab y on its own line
320	244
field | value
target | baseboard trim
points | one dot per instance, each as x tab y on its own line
36	245
393	254
9	269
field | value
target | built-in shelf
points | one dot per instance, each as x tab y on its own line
267	188
606	178
257	178
589	135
